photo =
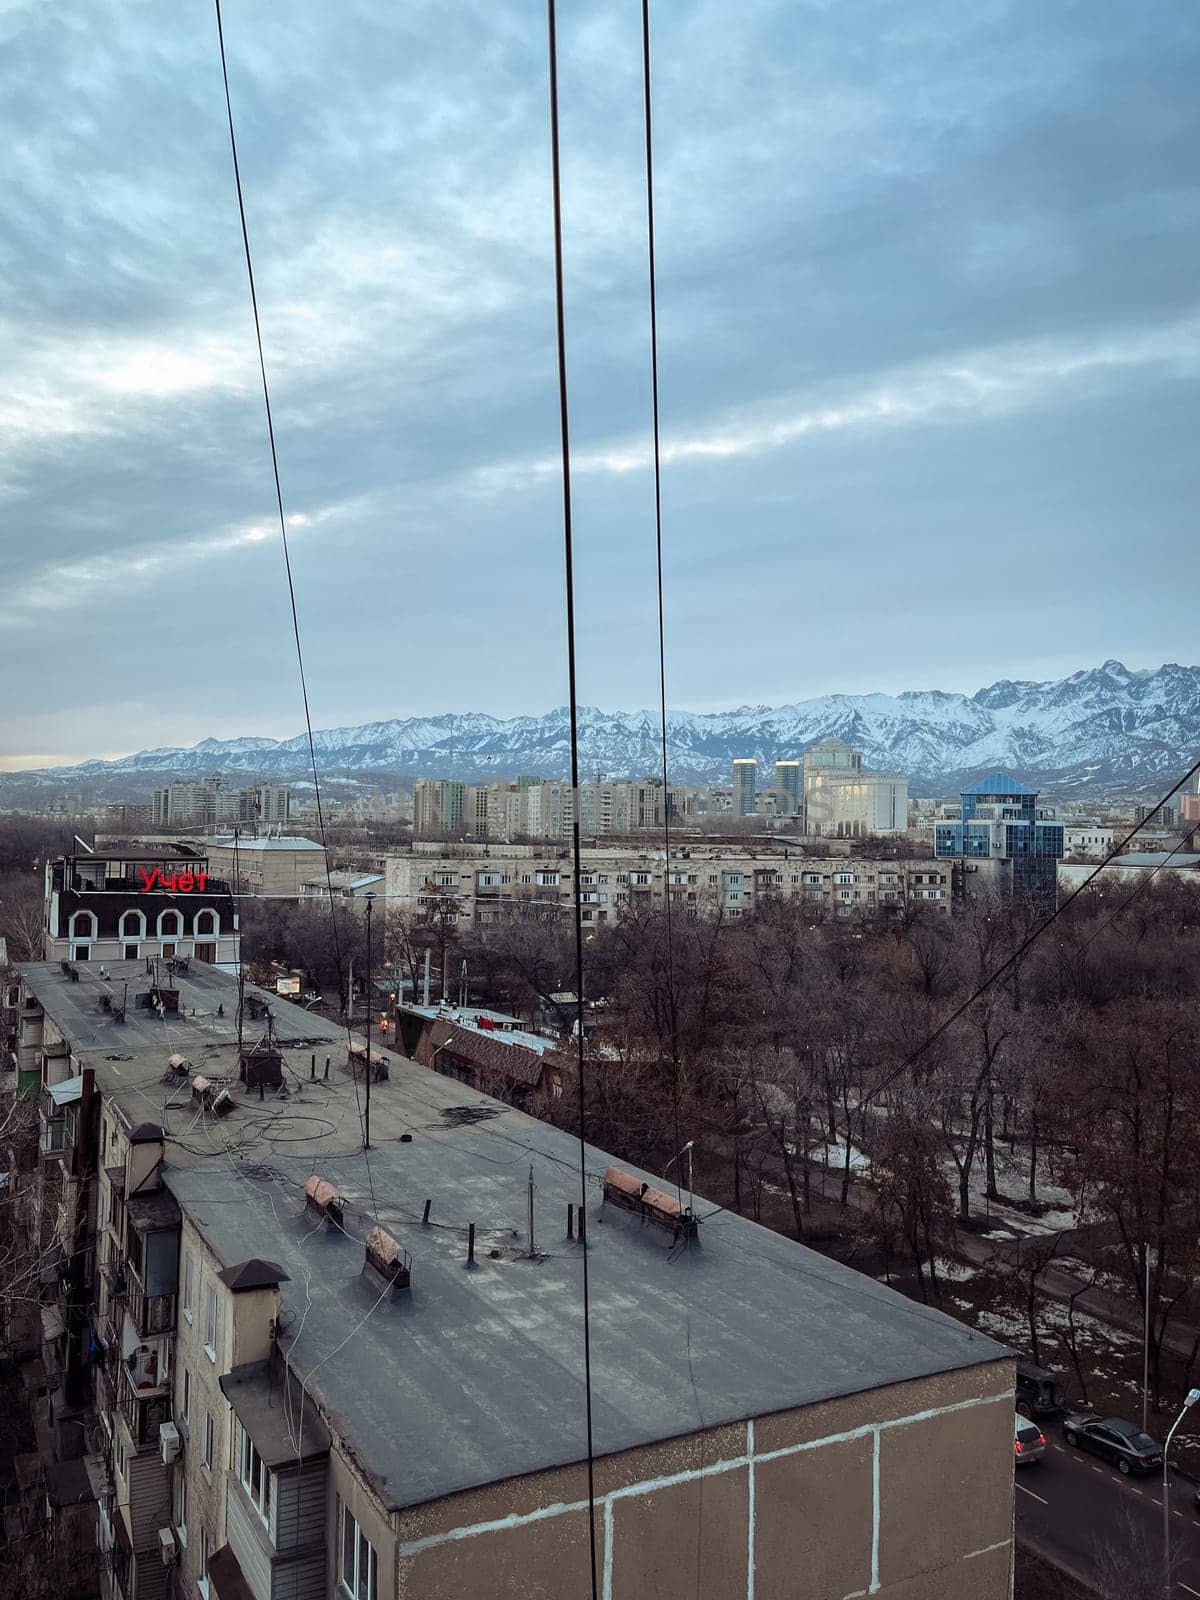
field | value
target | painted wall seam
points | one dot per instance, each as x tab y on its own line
690	1475
750	1509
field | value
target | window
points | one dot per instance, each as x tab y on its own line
181	1509
170	924
357	1566
133	925
202	1580
204	925
131	951
189	1264
82	925
209	1435
210	1323
255	1477
185	1403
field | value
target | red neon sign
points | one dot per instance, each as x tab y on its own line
177	883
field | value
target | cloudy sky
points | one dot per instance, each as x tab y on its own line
930	350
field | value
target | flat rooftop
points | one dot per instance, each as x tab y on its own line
130	1059
476	1375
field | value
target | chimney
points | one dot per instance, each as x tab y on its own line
387	1264
321	1198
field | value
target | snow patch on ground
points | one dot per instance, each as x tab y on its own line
1051	1319
955	1271
834	1155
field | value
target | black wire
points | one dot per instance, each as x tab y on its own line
672	1009
287	560
1025	944
569	569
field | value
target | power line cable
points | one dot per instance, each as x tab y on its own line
672	1007
287	560
569	570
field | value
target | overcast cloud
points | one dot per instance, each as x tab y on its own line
930	355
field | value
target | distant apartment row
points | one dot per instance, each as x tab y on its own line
488	888
828	793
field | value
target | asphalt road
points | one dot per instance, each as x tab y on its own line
1070	1503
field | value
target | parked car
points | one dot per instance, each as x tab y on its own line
1029	1442
1113	1439
1039	1393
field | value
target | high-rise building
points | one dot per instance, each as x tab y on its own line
788	779
438	807
1001	837
745	785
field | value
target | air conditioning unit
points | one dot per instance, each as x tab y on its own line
166	1545
169	1442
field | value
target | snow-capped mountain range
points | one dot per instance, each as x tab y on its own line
1102	728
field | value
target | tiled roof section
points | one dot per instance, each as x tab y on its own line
512	1062
253	1274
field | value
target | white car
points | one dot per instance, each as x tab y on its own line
1029	1442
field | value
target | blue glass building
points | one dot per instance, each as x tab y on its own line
1000	825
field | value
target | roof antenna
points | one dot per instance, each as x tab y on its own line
531	1250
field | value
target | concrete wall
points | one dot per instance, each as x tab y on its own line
904	1492
206	1486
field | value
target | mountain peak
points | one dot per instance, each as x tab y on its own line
1102	725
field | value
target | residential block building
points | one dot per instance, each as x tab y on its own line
745	786
439	808
542	809
279	865
213	802
486	887
362	1373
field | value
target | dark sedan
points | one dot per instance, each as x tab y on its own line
1113	1439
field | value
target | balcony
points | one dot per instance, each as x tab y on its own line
144	1410
116	1279
150	1313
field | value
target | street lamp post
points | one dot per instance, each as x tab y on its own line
1192	1396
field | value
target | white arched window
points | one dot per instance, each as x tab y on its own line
205	925
170	924
133	925
81	930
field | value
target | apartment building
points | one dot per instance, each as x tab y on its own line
542	809
745	785
483	890
213	802
136	902
789	780
323	1377
1087	839
276	866
439	808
